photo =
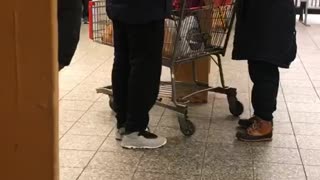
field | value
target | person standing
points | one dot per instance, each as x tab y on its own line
69	24
85	11
138	41
265	36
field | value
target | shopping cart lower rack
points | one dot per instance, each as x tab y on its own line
194	30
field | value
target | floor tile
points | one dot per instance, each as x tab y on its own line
93	129
276	155
238	152
75	105
267	171
175	133
159	176
304	107
313	172
115	161
295	98
112	145
281	116
282	128
101	106
80	142
215	169
310	157
306	129
70	116
308	142
305	117
223	137
64	126
102	174
98	117
74	158
70	173
82	95
279	141
172	121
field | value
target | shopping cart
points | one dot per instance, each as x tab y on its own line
193	31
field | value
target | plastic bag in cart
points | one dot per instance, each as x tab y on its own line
190	40
193	4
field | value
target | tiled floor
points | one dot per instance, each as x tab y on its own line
88	150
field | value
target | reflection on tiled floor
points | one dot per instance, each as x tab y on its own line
88	150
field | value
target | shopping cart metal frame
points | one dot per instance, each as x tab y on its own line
168	90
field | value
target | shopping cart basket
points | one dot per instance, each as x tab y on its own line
194	30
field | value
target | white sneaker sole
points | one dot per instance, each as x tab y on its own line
143	147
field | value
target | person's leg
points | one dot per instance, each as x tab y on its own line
265	78
145	42
85	11
69	23
145	47
120	72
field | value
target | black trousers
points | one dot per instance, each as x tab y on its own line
265	78
69	23
85	12
136	72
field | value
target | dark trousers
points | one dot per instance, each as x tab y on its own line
85	12
69	23
136	72
265	78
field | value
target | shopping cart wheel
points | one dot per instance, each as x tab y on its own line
111	103
186	126
235	106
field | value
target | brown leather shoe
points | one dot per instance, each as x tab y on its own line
260	130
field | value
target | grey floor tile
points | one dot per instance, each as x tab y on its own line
296	83
75	105
223	137
70	173
69	115
155	120
215	169
102	174
267	171
297	98
240	152
276	155
93	129
80	142
299	91
74	158
282	128
226	123
161	176
172	121
64	126
304	107
306	129
101	106
114	161
281	116
279	141
305	117
98	117
310	157
82	95
175	133
176	157
313	172
157	111
308	142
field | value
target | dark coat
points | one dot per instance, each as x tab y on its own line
265	31
138	11
69	22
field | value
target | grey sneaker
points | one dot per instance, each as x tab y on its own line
142	140
119	133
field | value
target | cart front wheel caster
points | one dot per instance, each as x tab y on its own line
235	106
111	103
186	126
